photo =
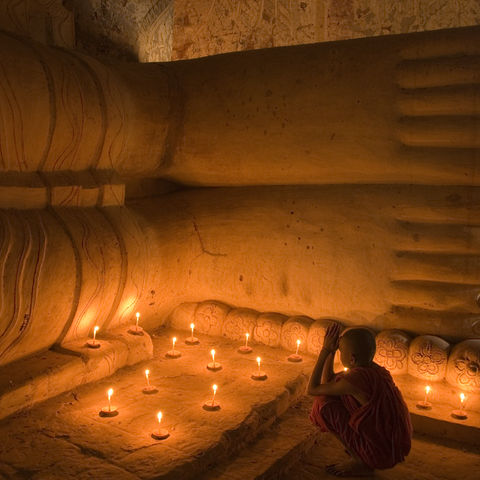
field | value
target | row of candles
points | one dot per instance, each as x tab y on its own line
459	414
212	405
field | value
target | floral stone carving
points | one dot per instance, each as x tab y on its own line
269	329
209	317
463	369
316	334
427	357
238	322
392	351
295	328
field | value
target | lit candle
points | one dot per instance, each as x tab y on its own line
173	353
245	348
192	340
136	329
425	404
460	414
427	391
93	343
214	393
148	389
295	357
109	395
212	405
161	433
259	375
213	365
109	411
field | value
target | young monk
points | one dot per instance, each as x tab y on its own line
361	406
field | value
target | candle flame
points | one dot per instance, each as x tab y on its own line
137	315
258	361
147	372
174	339
427	389
247	335
110	393
213	353
345	369
298	342
462	397
215	388
96	329
192	326
159	416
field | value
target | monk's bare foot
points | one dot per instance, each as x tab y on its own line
349	468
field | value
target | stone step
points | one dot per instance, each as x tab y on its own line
47	374
274	452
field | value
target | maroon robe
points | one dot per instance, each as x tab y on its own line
380	431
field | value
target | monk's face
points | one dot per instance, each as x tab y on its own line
346	353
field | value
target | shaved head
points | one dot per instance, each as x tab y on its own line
360	343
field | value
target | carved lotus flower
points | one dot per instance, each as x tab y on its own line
468	369
391	353
428	359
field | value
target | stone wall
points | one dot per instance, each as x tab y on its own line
208	27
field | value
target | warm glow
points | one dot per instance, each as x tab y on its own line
427	389
137	315
174	340
159	416
246	339
95	330
345	369
192	326
258	361
462	398
147	372
213	358
298	346
110	393
215	388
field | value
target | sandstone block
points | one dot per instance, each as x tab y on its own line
427	357
463	368
268	329
238	322
392	351
183	315
209	317
296	328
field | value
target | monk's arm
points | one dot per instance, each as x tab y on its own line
342	387
328	374
316	377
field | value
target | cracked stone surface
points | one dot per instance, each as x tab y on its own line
65	437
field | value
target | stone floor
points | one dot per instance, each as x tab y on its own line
261	431
428	460
65	437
